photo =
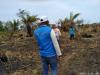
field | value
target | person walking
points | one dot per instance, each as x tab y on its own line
72	31
72	35
49	48
57	32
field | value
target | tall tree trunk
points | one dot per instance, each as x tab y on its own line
29	30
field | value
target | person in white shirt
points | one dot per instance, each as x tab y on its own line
57	32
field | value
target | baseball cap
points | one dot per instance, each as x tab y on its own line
43	19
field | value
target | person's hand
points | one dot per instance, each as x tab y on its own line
59	58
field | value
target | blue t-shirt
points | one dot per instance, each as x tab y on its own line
46	47
72	31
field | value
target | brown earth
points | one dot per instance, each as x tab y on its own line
79	56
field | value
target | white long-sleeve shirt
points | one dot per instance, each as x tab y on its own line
57	33
55	43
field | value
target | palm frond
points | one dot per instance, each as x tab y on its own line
75	16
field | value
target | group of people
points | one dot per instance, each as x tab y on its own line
48	42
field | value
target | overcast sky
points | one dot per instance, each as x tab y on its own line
54	9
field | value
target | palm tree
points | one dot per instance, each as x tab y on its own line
14	27
64	24
73	17
67	21
27	20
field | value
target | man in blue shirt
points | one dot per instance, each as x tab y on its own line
48	46
72	31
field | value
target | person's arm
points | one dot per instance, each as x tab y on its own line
55	43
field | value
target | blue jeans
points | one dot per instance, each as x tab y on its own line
72	36
49	63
